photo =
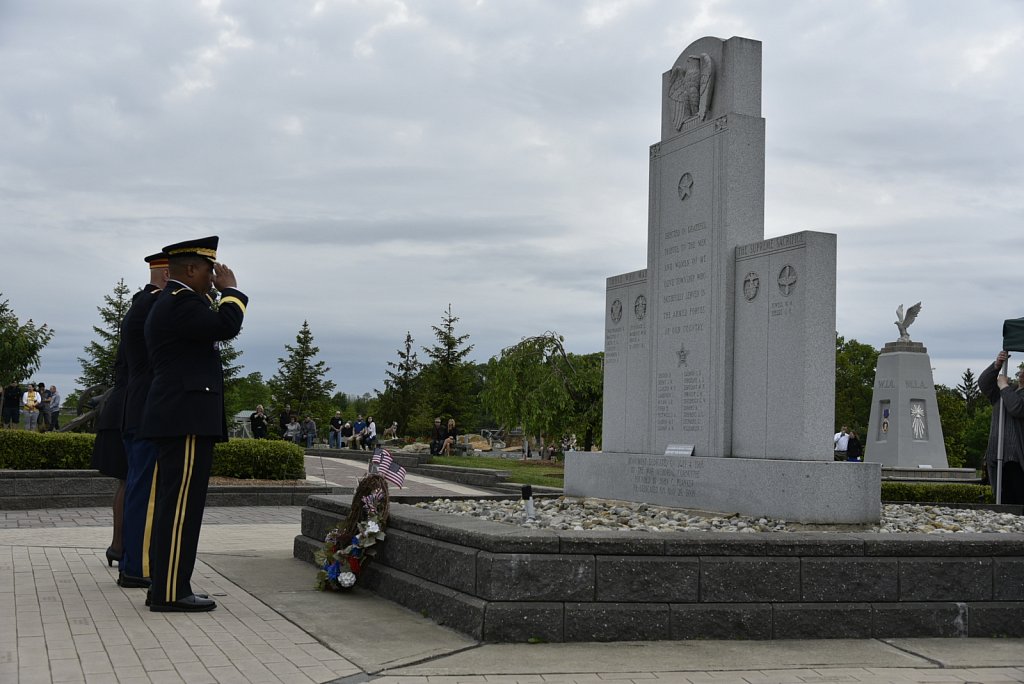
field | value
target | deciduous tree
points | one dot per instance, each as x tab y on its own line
953	414
540	386
243	394
20	346
855	379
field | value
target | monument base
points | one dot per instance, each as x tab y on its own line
904	427
823	492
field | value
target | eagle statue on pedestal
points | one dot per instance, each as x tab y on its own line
903	322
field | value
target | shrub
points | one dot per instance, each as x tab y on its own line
260	459
928	492
243	458
25	450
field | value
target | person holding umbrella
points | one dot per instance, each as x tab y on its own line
1007	425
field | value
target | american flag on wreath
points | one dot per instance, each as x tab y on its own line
383	463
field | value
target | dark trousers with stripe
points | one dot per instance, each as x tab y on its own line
139	505
182	477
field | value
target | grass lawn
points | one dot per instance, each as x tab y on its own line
549	473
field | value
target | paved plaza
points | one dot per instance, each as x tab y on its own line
63	619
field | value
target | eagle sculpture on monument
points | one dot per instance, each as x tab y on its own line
691	89
903	322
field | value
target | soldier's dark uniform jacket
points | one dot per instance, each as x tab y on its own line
182	332
137	357
139	484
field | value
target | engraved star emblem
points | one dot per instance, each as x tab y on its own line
682	355
685	186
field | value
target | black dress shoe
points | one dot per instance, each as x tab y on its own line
130	582
194	603
149	597
189	604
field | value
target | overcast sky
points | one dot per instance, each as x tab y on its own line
367	163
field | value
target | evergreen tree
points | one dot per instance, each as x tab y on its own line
398	400
969	391
340	402
228	355
100	355
300	380
447	379
20	346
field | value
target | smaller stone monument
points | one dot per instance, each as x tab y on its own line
904	430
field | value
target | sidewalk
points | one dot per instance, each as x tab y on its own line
63	619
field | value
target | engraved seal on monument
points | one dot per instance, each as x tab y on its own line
640	307
616	310
751	284
682	354
787	280
685	186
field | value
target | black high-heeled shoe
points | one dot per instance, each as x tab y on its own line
113	556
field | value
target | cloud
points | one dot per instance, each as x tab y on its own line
367	163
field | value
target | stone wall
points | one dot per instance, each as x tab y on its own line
505	584
35	489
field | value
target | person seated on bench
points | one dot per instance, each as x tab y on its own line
450	435
369	438
436	438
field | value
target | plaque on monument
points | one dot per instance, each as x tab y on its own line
784	352
626	379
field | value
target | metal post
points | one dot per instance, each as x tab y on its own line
999	444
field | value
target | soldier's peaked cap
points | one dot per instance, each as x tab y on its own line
158	260
203	247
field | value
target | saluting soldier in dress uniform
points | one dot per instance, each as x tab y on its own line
138	514
184	411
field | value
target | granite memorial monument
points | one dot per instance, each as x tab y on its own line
719	381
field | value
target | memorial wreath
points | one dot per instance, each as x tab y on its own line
349	547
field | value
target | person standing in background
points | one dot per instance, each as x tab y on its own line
55	400
259	423
30	407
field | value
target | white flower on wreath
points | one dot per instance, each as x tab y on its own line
346	579
372	527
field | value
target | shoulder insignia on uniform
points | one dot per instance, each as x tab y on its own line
233	300
180	289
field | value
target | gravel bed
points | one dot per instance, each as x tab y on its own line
564	513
